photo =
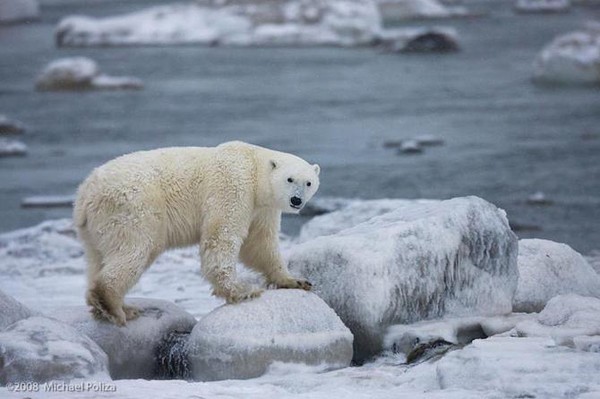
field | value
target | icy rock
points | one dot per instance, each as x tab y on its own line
11	311
8	126
12	11
38	349
301	22
566	319
397	10
419	40
80	73
548	269
573	58
351	215
131	349
520	368
10	148
542	6
423	260
292	326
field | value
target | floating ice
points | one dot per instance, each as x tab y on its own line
542	6
48	201
8	126
9	147
423	260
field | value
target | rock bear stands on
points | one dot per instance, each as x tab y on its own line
228	199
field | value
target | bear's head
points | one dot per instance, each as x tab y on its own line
293	183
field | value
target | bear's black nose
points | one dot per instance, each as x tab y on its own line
296	201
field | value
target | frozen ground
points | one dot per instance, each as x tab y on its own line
43	267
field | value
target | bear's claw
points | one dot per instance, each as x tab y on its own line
293	283
131	312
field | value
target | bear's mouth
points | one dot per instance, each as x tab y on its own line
296	206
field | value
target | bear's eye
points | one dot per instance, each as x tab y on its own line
308	183
290	180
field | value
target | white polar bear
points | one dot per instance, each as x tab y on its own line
228	198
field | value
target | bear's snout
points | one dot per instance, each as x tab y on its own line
296	201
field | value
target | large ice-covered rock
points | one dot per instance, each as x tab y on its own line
423	260
12	310
291	326
238	23
548	269
12	11
573	58
38	349
131	349
81	73
567	319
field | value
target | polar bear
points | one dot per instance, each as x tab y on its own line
228	199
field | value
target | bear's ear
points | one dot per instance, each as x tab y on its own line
317	169
273	164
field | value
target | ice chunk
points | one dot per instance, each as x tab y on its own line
11	311
302	22
292	326
520	368
38	349
9	147
423	260
565	318
542	6
131	349
571	58
547	269
8	126
12	11
48	201
80	73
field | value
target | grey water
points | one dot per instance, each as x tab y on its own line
505	138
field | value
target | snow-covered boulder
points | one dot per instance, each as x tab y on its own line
542	6
567	319
511	367
397	10
8	126
38	349
548	269
131	349
11	148
80	73
423	260
573	58
291	326
298	22
12	311
12	11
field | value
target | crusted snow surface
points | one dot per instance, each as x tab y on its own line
301	22
423	260
12	11
40	349
548	269
571	58
131	349
243	340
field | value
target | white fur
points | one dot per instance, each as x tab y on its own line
228	199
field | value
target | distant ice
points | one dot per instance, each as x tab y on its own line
12	11
548	269
80	73
542	6
396	10
48	201
10	126
10	147
572	58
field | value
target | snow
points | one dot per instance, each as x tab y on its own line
292	326
9	147
548	269
425	259
8	126
11	311
18	11
81	73
397	10
131	349
47	201
572	58
302	22
532	6
40	349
